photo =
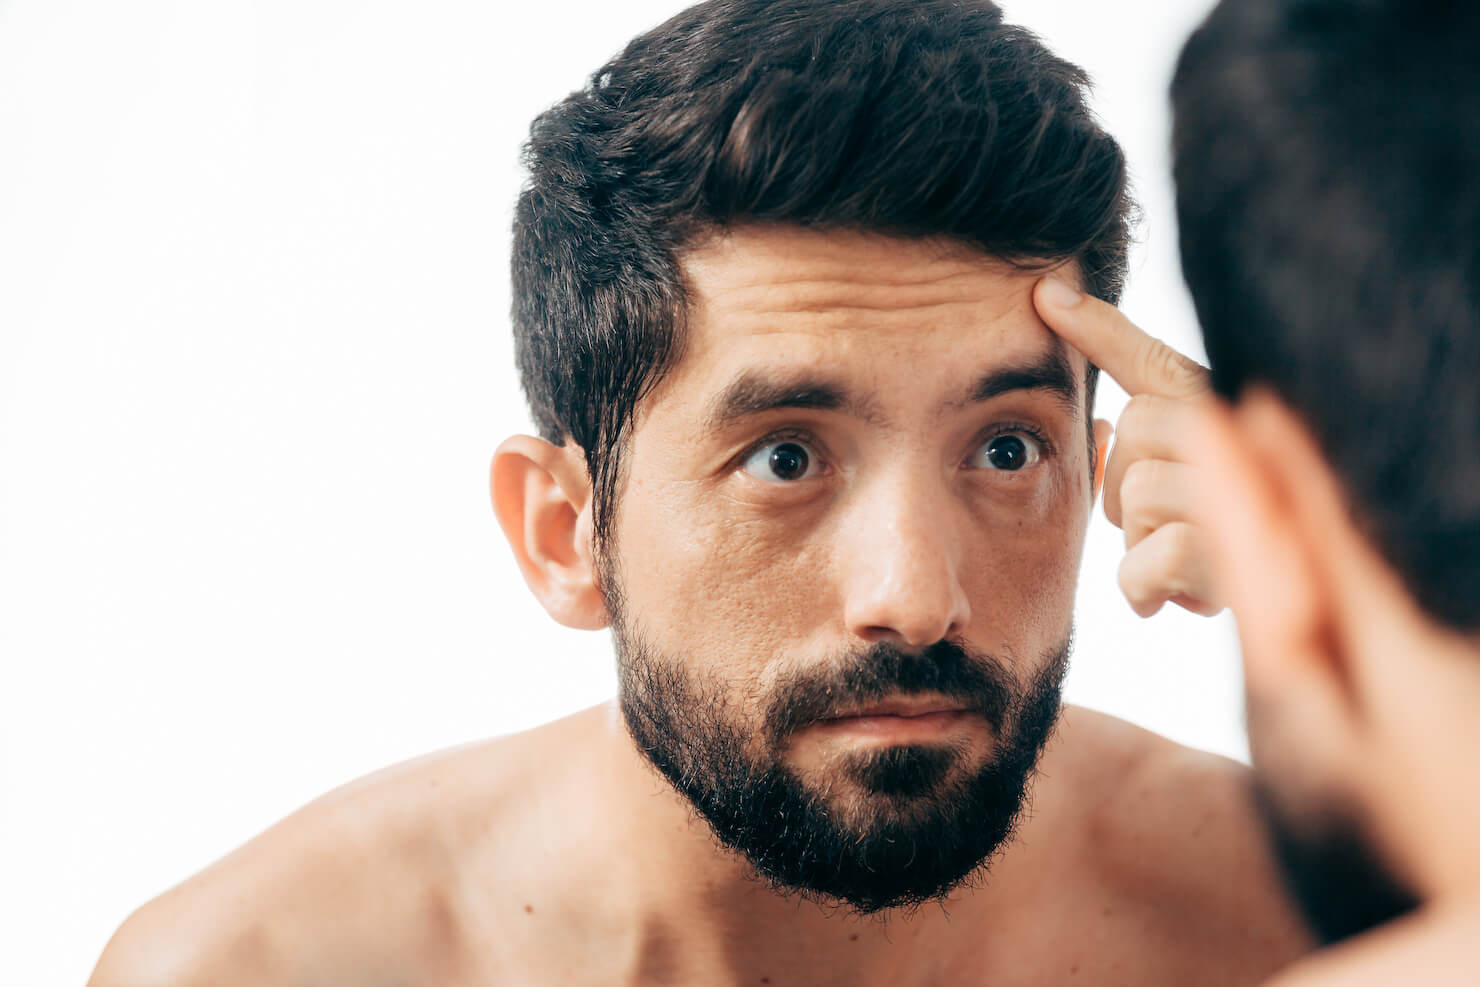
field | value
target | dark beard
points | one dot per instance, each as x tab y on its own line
1332	871
927	823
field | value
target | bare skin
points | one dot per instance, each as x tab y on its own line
1437	947
1358	697
1360	703
559	856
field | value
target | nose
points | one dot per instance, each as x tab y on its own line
900	560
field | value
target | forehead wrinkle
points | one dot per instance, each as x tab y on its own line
806	274
751	254
865	295
800	283
751	391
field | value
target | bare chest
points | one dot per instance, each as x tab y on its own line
1090	940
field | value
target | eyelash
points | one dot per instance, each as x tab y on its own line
802	435
781	435
1008	428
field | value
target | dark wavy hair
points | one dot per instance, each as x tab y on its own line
917	118
1327	162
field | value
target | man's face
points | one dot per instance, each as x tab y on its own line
844	556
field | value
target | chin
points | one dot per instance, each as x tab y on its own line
906	780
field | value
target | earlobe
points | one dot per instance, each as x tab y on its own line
542	497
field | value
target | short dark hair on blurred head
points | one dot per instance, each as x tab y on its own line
1327	162
918	118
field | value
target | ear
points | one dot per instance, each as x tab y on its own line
1103	431
1273	524
542	496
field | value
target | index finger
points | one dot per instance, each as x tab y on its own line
1140	363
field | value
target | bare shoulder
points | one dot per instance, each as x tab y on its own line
367	884
1174	821
1159	802
1176	829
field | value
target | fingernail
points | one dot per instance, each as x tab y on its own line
1060	293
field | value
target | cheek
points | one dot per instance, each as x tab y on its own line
734	593
743	594
1021	561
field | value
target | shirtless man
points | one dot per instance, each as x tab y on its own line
1328	186
811	450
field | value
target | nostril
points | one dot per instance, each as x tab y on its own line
900	576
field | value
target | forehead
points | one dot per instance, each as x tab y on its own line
877	310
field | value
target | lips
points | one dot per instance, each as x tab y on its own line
903	707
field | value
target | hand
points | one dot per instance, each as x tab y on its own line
1151	488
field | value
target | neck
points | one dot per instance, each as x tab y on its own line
685	888
1433	835
1427	807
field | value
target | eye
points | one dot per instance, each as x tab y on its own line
782	462
1010	452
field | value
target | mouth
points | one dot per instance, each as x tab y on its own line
904	707
901	718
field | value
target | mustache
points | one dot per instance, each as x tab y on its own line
978	681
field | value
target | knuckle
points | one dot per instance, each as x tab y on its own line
1161	567
1177	562
1165	554
1138	489
1182	543
1128	577
1140	411
1177	368
1139	591
1135	533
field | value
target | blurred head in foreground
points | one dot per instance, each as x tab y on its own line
1327	163
805	445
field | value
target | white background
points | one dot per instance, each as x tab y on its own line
254	358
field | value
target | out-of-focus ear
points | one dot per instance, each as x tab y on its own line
542	496
1272	505
1103	431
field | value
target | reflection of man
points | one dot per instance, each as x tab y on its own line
1326	163
811	453
1336	264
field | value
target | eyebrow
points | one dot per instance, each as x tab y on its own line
1050	371
754	392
